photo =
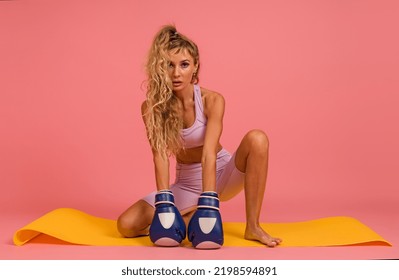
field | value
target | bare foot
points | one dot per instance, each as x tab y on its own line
138	233
258	234
144	232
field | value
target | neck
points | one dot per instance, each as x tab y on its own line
185	94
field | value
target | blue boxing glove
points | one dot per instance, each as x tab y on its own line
167	227
205	229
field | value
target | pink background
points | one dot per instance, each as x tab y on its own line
320	77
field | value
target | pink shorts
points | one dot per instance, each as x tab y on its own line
188	184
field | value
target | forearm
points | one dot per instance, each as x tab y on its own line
161	165
209	172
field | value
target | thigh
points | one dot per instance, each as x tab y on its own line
186	197
231	180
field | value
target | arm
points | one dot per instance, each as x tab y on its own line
214	111
161	162
167	225
207	212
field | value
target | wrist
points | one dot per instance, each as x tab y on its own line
209	188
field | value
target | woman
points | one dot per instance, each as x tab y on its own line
185	121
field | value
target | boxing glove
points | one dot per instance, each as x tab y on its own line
167	226
205	229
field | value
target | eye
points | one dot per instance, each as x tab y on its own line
185	64
170	65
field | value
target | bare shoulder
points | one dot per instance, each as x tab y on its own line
143	107
212	100
206	93
144	110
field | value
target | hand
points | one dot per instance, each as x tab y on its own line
205	229
167	227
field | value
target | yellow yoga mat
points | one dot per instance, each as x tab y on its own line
71	226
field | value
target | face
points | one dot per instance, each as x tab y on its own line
181	69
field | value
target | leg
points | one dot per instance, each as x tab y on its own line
136	220
252	159
187	217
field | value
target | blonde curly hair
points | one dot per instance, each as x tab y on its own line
163	117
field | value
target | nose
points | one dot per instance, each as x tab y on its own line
176	72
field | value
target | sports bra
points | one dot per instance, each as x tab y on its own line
194	135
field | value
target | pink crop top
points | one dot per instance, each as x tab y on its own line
194	135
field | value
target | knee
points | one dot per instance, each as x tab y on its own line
258	140
136	219
125	225
129	227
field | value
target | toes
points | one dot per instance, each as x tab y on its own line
276	240
271	243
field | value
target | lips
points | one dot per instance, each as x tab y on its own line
177	83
